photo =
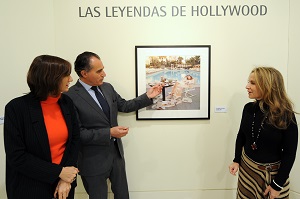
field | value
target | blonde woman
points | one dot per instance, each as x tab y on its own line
266	143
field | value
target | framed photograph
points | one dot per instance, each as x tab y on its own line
185	73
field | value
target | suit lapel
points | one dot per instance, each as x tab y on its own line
67	116
39	128
80	90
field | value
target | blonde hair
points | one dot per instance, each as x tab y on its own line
270	82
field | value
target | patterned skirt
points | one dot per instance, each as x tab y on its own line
255	177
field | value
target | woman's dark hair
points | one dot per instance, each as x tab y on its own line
45	75
82	62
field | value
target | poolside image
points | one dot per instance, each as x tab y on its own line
181	89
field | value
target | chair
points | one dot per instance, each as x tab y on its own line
188	85
177	91
175	95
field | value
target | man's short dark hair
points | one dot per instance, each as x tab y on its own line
82	62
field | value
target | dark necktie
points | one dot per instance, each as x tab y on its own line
102	101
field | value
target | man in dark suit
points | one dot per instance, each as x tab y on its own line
101	155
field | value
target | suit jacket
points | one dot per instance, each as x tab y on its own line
94	158
30	173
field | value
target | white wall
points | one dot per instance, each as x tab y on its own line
185	159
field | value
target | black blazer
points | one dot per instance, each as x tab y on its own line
30	173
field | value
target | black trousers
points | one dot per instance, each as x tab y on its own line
96	186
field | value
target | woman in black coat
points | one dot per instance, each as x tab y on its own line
41	139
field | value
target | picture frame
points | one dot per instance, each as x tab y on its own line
184	70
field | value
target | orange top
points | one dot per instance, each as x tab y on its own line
56	128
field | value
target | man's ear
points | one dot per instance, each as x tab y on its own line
83	73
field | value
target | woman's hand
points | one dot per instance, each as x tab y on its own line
68	174
233	168
62	190
272	192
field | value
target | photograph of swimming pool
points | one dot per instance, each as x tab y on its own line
184	72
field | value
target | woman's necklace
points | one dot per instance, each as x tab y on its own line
254	145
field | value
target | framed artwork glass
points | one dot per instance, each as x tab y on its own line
184	72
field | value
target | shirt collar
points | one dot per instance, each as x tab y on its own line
86	86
